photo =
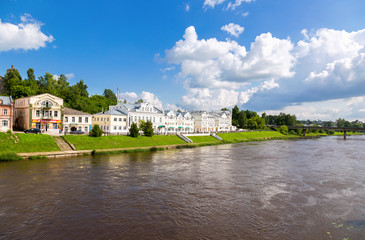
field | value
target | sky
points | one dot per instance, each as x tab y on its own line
300	57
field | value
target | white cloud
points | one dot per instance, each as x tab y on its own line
233	29
237	3
326	65
225	64
187	7
70	76
212	3
245	14
146	96
26	35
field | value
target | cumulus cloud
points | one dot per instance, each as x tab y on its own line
226	64
274	73
70	76
233	29
26	35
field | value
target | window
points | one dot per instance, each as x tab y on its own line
142	109
115	119
5	111
54	125
80	119
120	127
154	119
66	119
50	113
56	113
86	119
120	119
73	119
115	127
38	113
5	123
124	119
124	128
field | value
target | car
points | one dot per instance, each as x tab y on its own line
77	132
33	130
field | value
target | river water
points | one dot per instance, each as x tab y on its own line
297	189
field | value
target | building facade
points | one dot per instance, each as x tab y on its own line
178	122
141	111
76	120
42	111
6	113
114	122
223	121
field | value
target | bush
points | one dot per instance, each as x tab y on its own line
283	130
96	131
9	131
330	132
292	132
133	130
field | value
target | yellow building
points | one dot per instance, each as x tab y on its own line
112	122
42	111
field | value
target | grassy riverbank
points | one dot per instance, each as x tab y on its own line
27	143
203	139
10	144
110	142
253	136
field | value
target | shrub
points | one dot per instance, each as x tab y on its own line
283	130
133	130
292	132
9	131
96	131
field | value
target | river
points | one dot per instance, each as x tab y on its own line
295	189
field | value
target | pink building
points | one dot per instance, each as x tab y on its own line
6	113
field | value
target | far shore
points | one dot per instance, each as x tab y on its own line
24	146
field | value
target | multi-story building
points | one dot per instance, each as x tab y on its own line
141	111
179	122
212	121
6	113
42	111
114	121
201	121
76	120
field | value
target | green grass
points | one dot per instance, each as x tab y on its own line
9	156
110	142
23	143
253	136
202	139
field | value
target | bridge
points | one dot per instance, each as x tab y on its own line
306	128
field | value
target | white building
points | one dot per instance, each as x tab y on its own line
178	122
141	111
212	121
223	121
76	120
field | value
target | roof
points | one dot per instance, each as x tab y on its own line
49	95
70	111
6	100
111	112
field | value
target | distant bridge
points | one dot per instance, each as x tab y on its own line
306	128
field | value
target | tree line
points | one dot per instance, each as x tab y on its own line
75	96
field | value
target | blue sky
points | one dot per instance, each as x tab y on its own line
199	54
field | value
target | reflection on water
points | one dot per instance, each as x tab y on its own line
301	189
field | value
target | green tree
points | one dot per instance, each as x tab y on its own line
148	129
110	95
96	131
133	130
235	112
340	123
242	119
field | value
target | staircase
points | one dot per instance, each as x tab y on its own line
216	136
62	144
184	138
